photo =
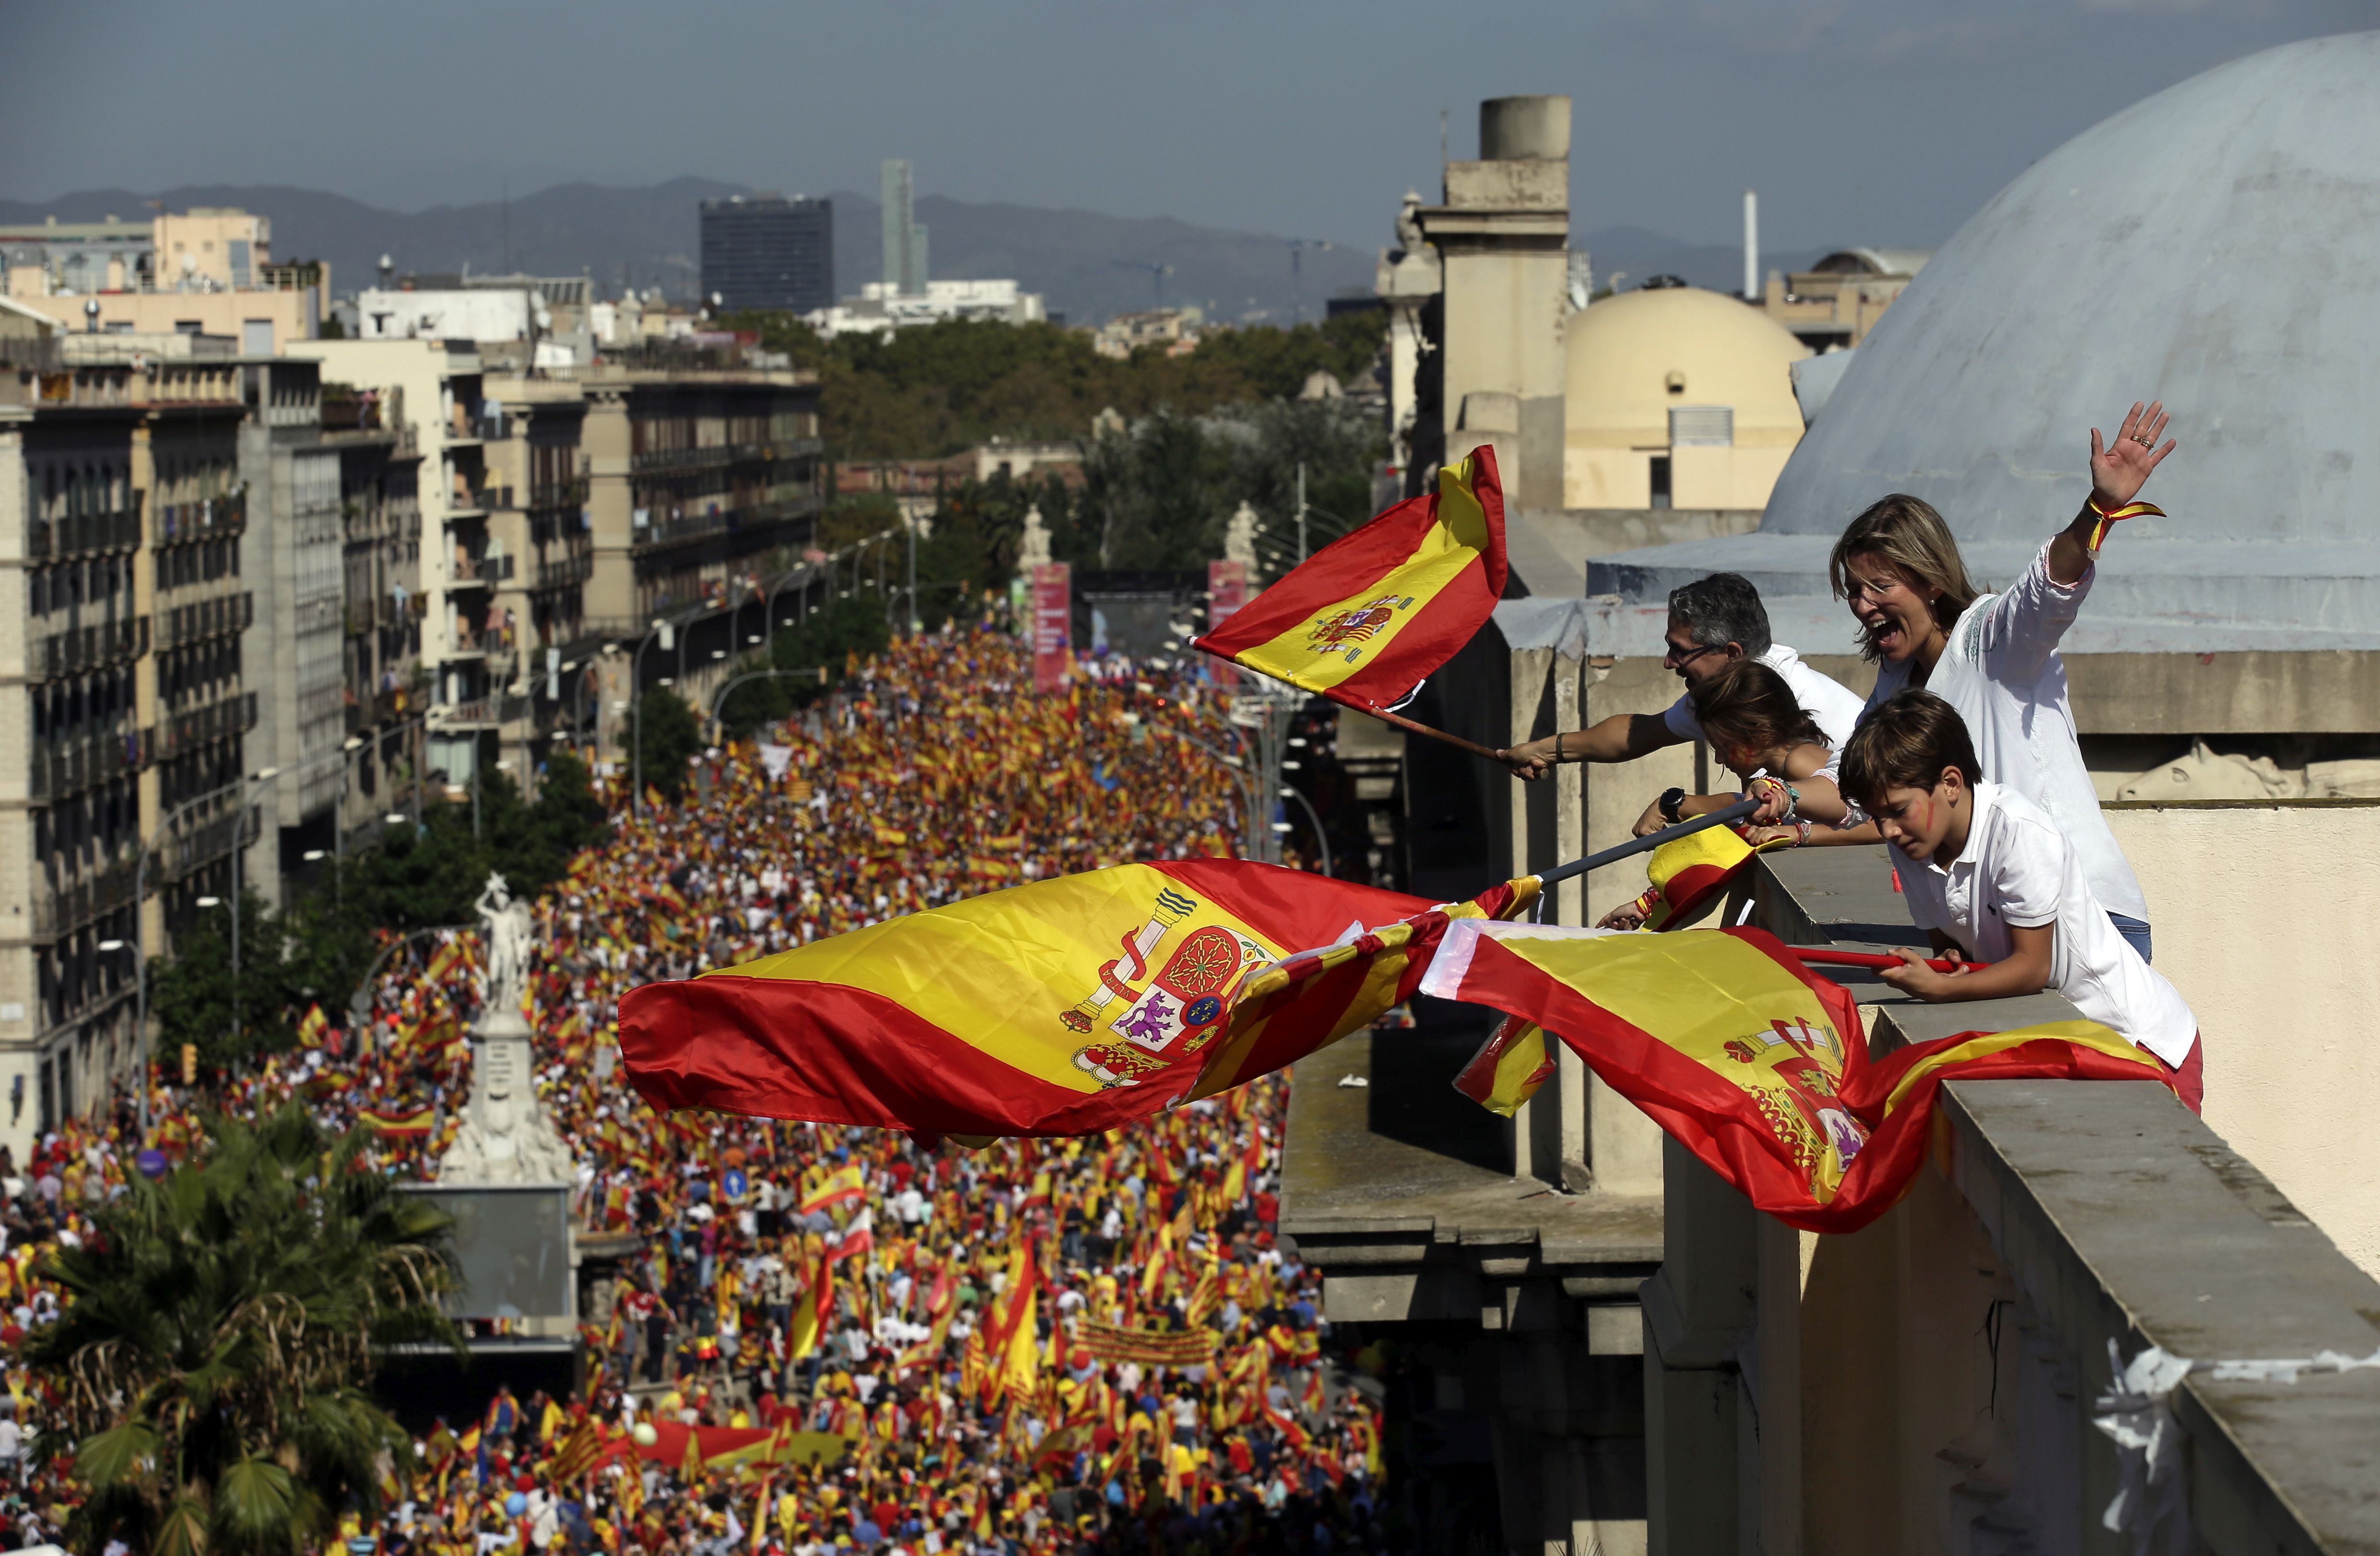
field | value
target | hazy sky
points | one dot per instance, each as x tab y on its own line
1869	121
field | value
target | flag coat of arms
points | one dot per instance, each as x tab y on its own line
1057	1008
1747	1058
1366	619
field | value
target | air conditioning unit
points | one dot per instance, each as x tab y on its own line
1701	426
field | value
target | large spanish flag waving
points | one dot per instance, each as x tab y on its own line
1366	618
1058	1008
1747	1059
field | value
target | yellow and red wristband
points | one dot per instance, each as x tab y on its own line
2109	518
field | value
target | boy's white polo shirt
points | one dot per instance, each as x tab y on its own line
2018	869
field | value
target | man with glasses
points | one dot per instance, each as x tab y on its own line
1713	622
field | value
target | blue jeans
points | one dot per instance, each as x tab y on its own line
2135	934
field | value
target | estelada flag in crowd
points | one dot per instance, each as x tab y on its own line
1059	1007
1366	619
1747	1059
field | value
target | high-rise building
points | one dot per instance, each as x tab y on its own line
768	251
904	240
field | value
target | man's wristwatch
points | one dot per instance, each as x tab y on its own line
1670	800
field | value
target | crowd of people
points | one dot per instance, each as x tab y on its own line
806	1338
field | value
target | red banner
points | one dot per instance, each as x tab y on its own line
1227	591
1053	625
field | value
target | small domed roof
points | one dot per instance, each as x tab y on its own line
1625	349
2213	246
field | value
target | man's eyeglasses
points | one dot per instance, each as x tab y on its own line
1678	659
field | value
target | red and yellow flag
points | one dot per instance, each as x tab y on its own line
1059	1007
1509	1067
1691	874
845	1186
1366	618
1755	1064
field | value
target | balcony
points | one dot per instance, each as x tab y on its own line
674	532
469	572
88	647
678	461
55	540
63	768
195	845
558	495
479	714
564	569
470	500
63	911
224	616
193	727
209	518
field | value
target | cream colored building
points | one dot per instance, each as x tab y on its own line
1836	302
1679	398
206	270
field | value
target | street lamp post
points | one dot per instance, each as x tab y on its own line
660	628
238	825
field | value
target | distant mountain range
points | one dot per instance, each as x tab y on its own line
1088	266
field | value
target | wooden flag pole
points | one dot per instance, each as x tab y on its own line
1401	721
1646	845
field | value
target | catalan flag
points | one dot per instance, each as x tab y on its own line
1744	1057
1059	1007
1366	618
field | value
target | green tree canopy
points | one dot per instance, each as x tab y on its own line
934	390
215	1352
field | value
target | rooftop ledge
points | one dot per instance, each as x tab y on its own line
2119	1215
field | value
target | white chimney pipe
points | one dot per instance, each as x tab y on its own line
1751	247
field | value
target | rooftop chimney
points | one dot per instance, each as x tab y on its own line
1751	247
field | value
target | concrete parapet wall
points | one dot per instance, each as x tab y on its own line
2266	915
1927	1384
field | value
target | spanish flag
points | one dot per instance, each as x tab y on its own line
1744	1057
1691	874
1059	1007
845	1186
413	1120
313	1028
1509	1067
1366	618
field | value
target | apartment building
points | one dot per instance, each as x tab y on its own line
123	703
562	510
384	690
206	270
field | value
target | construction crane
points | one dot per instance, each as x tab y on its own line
1156	273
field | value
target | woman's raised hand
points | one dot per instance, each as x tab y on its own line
2118	469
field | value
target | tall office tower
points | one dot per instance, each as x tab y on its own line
904	240
768	251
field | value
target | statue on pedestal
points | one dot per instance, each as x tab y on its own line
505	1136
1240	537
1033	551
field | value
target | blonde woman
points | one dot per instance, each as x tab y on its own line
1994	657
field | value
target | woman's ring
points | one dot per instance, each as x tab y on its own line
2144	443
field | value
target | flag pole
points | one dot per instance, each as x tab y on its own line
1735	812
1827	956
1401	721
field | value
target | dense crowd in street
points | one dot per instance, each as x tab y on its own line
813	1338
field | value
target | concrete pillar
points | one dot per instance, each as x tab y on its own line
1504	234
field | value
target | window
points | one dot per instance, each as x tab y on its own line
1660	481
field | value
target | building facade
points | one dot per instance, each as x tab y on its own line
769	252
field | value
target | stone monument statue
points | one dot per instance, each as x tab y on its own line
1240	537
1033	551
505	1136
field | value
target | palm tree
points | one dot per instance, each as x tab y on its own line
222	1327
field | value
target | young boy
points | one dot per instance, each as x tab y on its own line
1990	875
